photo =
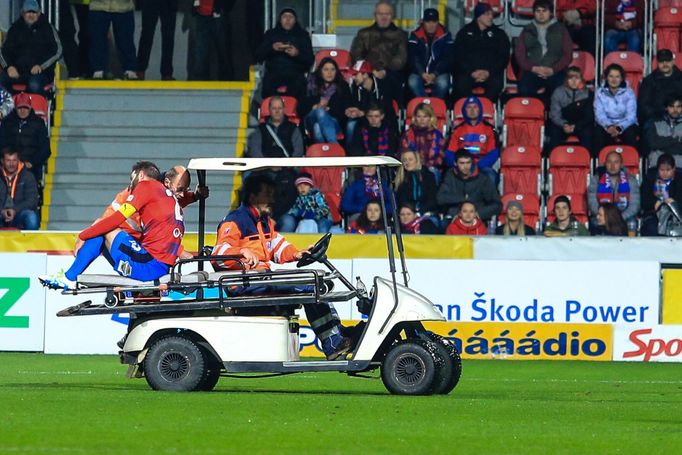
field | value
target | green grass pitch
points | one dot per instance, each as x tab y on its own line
86	405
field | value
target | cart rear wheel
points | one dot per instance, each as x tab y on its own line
174	363
448	375
410	368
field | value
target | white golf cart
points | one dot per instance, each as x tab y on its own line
188	344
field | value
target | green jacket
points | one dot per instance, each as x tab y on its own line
112	6
553	230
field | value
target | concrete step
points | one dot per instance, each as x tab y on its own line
141	133
149	150
115	182
113	166
148	119
161	101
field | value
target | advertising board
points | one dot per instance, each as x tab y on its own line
655	343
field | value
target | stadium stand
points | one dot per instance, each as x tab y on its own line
585	61
340	56
524	122
290	109
667	25
578	206
438	106
568	170
630	156
531	208
632	63
489	111
521	170
328	180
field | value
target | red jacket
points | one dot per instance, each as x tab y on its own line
458	228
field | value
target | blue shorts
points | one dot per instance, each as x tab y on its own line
131	260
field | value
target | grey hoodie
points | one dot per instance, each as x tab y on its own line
562	97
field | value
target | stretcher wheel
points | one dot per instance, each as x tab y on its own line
111	300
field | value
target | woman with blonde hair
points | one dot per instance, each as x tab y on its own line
425	138
415	185
514	222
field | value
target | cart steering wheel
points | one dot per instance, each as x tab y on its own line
317	253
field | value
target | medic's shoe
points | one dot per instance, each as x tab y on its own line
342	350
57	281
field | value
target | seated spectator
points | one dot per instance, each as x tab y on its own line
660	186
482	50
310	212
613	183
18	193
665	134
543	51
623	23
565	224
277	137
571	111
375	136
6	103
609	221
287	52
430	52
463	184
514	222
366	91
370	220
327	98
121	15
476	136
615	111
425	138
657	87
30	51
466	222
412	223
27	132
415	185
385	47
579	18
362	190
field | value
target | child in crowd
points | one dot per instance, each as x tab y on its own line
425	138
370	220
310	212
467	222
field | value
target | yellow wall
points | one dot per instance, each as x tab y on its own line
671	297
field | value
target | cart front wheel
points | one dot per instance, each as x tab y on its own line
410	368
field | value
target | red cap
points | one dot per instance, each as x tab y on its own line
361	66
22	99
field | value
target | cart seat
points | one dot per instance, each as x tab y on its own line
95	280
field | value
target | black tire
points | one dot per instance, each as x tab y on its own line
410	368
448	375
212	372
174	363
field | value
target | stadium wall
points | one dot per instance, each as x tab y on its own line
505	308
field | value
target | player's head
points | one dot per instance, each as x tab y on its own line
259	192
143	170
177	179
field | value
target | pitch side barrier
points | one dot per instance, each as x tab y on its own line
603	309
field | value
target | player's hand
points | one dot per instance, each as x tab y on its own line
250	258
77	246
186	255
201	192
12	72
36	69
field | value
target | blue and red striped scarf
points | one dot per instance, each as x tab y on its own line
619	196
382	142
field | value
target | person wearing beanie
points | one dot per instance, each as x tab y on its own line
30	51
310	213
477	136
482	50
430	57
514	225
543	52
287	52
384	45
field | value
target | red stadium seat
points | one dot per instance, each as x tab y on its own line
40	106
521	170
629	154
632	63
524	122
329	180
531	208
569	170
578	207
340	56
522	8
668	3
438	106
489	113
496	5
667	24
290	106
511	80
585	62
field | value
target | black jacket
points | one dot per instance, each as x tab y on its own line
356	144
647	191
279	62
29	136
25	194
654	91
27	46
478	189
476	49
419	189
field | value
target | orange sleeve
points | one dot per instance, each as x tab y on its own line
228	243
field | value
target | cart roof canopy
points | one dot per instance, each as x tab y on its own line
251	164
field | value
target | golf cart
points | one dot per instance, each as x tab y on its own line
188	344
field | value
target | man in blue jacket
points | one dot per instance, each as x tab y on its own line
430	51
